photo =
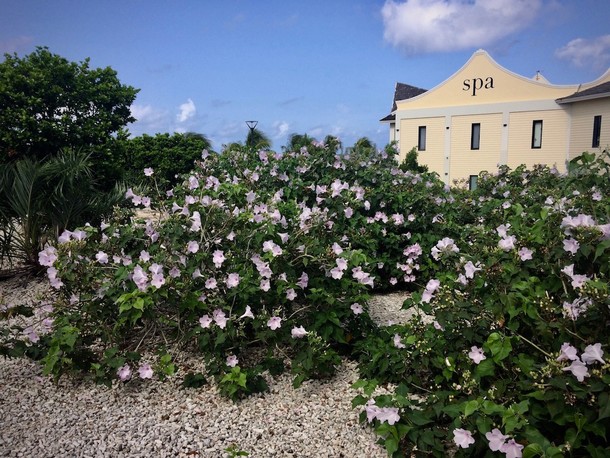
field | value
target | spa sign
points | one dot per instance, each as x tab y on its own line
475	84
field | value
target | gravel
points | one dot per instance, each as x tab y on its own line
160	419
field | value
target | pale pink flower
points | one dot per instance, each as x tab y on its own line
197	273
298	333
356	308
571	245
31	334
393	280
341	263
47	256
156	268
389	415
274	323
291	294
496	439
444	246
124	373
578	369
232	361
219	318
79	235
463	438
211	283
158	280
512	449
349	212
265	284
433	285
337	249
470	269
248	313
232	280
426	296
593	353
567	352
303	280
64	237
144	256
218	258
148	171
476	354
174	272
336	273
192	247
462	279
507	243
139	277
145	371
502	230
525	254
438	326
205	321
397	342
193	182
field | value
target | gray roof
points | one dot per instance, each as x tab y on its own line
403	92
595	92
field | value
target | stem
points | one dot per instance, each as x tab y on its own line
534	345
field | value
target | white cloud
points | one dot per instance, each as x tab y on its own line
420	26
15	44
187	111
581	52
280	129
149	119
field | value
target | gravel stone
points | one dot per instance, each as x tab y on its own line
152	418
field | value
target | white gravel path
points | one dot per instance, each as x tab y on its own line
160	419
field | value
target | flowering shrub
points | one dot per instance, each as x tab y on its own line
508	356
264	262
275	252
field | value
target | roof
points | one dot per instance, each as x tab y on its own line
402	92
595	92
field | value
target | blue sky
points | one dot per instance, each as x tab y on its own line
317	67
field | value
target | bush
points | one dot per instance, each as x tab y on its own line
510	356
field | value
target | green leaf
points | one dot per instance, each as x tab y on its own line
604	406
470	407
499	346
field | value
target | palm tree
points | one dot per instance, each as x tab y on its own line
257	140
298	141
38	200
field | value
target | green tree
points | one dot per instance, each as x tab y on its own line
410	163
48	103
257	140
298	141
333	143
364	143
168	155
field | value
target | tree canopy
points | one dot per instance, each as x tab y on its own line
48	103
168	155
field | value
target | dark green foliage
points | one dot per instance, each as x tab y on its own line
168	155
48	103
410	163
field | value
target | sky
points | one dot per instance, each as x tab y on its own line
320	67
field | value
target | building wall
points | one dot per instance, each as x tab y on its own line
555	137
582	126
465	161
435	141
505	104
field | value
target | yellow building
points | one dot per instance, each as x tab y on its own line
485	115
